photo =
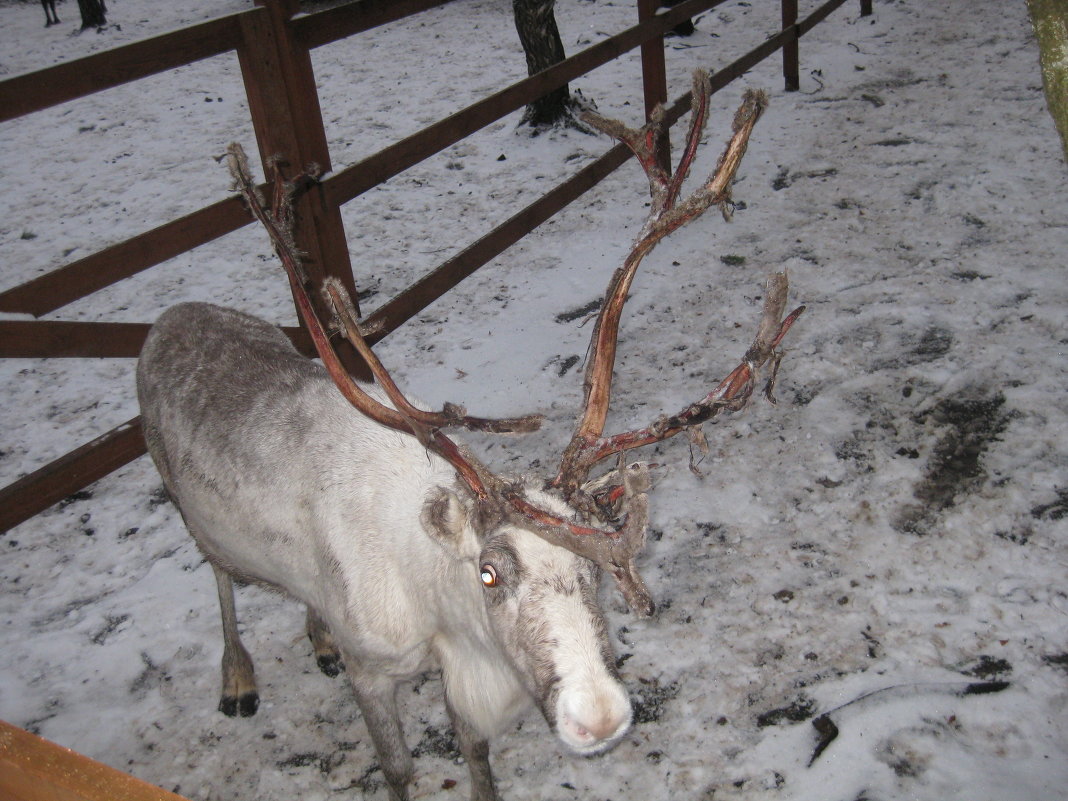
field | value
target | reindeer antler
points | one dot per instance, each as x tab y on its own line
613	550
618	500
588	446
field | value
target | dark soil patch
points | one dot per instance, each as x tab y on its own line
437	742
651	698
578	313
1055	510
796	711
955	466
565	364
932	343
111	625
74	497
987	667
325	763
1057	661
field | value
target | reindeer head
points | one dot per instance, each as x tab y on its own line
607	517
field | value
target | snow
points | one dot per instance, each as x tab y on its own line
897	521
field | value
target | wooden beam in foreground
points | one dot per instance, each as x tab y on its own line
34	769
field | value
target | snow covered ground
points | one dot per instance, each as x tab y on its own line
898	521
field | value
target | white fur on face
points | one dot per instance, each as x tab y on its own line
591	710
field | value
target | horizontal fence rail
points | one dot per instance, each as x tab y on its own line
99	270
293	37
41	89
49	339
35	492
324	27
383	165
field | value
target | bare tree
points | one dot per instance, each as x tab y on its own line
93	13
684	28
535	22
1050	20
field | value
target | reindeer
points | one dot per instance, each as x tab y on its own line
406	550
51	18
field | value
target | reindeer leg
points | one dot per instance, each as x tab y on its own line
475	749
327	656
239	695
377	698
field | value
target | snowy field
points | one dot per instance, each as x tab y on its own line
891	533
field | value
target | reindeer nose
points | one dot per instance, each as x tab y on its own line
603	729
594	726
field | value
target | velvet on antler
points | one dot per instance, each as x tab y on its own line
588	445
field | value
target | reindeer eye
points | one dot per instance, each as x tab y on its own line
489	576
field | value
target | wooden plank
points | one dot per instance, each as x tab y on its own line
35	769
817	16
418	296
324	27
432	286
67	284
52	483
98	270
353	181
281	89
284	102
654	80
76	470
654	69
790	56
41	89
61	339
49	339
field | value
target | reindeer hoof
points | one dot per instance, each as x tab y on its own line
330	664
245	706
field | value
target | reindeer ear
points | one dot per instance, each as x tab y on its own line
449	520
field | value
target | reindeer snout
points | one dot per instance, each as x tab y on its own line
592	722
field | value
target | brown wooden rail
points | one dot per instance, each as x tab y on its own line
273	49
35	769
41	89
67	284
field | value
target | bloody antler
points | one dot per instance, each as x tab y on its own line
588	446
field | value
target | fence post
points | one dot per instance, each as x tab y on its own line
865	8
654	73
790	56
286	116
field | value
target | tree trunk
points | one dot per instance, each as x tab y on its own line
1050	19
93	12
536	25
684	28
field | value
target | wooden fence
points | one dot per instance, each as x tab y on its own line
273	47
34	769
